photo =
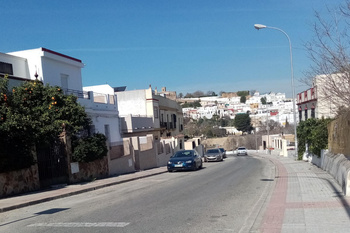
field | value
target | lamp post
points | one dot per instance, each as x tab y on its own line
260	26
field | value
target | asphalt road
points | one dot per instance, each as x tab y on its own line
226	196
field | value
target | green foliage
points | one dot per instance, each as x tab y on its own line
242	93
194	104
88	149
242	122
208	127
34	115
243	99
313	132
263	100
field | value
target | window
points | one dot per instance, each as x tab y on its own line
107	133
174	120
155	112
300	115
92	129
6	68
64	82
313	111
305	113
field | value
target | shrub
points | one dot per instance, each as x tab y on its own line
87	149
313	132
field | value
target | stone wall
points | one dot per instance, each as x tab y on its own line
16	182
89	171
339	135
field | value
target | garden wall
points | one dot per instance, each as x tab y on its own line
339	135
16	182
88	171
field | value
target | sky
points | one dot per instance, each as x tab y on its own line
183	45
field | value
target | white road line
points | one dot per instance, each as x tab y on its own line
81	224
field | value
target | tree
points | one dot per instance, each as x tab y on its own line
330	54
180	95
242	122
263	100
194	104
189	95
198	94
211	93
34	115
242	93
243	99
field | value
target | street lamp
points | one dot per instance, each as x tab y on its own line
260	26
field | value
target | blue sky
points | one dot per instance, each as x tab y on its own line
184	45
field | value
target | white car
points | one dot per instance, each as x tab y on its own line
242	151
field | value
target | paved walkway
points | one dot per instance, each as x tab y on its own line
11	203
304	199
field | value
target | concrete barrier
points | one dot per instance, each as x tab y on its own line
339	167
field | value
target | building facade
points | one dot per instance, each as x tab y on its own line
313	103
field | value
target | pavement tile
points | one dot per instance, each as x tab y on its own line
314	201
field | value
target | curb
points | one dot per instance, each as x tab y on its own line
29	203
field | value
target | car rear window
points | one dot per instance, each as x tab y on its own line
212	151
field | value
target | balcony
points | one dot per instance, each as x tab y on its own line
93	100
132	124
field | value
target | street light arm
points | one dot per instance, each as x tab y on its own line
261	26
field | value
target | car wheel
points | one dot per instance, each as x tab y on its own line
195	166
169	170
201	166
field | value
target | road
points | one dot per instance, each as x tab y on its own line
226	196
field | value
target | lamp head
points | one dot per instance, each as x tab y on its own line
259	26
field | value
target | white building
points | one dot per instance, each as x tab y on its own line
314	102
143	112
57	69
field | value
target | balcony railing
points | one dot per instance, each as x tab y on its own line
79	94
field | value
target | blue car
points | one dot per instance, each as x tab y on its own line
185	160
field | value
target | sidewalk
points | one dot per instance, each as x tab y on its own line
305	199
33	198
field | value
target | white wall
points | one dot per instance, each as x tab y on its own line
19	65
50	66
132	102
104	88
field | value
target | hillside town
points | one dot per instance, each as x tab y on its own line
276	107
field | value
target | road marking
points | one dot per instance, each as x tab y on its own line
81	224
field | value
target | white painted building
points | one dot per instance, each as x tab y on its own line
314	102
57	69
280	108
143	112
53	68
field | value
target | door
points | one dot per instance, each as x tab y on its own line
52	164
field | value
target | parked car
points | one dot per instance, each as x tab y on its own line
185	160
213	155
242	151
223	151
